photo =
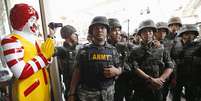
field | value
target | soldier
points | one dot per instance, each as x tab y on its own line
151	65
174	25
188	64
114	36
122	88
97	67
124	36
162	31
67	54
137	39
89	38
131	39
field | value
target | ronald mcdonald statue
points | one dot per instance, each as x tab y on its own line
26	58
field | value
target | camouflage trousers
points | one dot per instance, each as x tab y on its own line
96	95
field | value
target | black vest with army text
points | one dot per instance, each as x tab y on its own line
92	60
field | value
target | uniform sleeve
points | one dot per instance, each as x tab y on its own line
13	52
60	52
167	60
80	57
116	60
198	50
132	62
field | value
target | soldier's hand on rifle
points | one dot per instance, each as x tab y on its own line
111	71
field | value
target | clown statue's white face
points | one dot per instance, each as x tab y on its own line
31	26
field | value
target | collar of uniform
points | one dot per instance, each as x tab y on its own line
148	45
112	42
105	45
190	44
66	45
171	36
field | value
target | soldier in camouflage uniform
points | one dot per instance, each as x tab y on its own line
162	31
124	36
174	25
184	52
98	66
122	84
66	54
151	65
137	38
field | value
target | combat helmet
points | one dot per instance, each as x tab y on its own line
175	20
162	25
99	20
67	31
188	28
113	22
147	24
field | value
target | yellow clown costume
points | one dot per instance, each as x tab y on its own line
26	59
36	87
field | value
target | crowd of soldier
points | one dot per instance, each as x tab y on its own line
156	60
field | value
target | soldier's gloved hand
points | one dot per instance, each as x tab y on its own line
111	71
47	48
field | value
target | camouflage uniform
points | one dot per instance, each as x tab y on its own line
96	95
66	56
151	60
122	85
167	43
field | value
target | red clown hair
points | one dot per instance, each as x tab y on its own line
20	14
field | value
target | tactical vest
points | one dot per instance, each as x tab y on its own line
150	60
176	52
188	64
93	60
123	52
66	60
168	44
